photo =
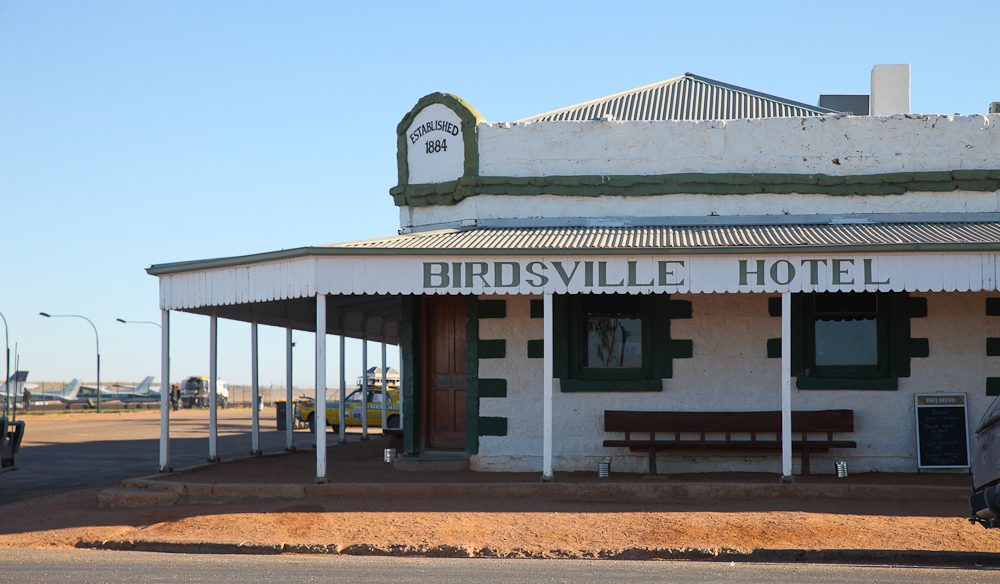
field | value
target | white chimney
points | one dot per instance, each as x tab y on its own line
890	90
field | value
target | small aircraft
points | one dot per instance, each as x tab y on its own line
16	385
67	396
140	394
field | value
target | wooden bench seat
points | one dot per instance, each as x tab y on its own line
726	431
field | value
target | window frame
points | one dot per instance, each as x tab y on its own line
569	334
893	326
881	367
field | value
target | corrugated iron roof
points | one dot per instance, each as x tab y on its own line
687	97
694	238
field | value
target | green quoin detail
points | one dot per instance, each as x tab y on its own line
896	183
472	375
492	426
993	386
679	309
537	309
993	307
410	356
774	306
492	388
492	309
536	349
681	348
774	348
470	121
993	347
920	348
492	349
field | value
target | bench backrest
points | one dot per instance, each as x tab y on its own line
802	421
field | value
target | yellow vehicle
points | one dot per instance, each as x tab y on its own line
352	414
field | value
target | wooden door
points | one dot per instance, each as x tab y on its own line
444	371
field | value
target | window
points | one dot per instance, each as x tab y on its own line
613	333
611	342
850	340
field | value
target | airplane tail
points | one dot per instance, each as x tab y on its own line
15	384
145	385
72	388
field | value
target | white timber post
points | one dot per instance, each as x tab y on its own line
400	363
213	387
254	392
385	385
364	379
786	386
320	416
547	388
289	404
341	416
165	391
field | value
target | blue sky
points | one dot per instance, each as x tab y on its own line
134	133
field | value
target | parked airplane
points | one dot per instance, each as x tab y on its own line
140	394
67	396
17	384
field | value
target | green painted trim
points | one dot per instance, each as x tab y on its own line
536	349
492	309
681	348
492	426
492	388
993	386
774	348
896	183
916	307
874	383
307	252
472	375
774	306
993	347
679	309
993	307
919	348
537	309
409	348
614	386
492	348
470	123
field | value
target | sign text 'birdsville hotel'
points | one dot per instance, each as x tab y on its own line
665	274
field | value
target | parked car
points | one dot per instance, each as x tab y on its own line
985	500
306	410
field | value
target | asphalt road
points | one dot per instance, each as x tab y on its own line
63	452
42	566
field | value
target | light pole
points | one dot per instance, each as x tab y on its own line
98	341
123	321
6	339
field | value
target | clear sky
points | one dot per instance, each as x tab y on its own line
134	133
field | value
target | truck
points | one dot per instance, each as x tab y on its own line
195	392
985	499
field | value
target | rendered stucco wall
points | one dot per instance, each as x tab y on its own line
833	145
730	371
837	145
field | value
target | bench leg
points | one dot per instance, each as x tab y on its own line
652	461
805	462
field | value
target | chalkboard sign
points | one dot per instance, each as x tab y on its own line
942	431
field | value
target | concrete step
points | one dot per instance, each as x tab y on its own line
433	462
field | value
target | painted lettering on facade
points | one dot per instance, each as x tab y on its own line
651	275
840	272
433	126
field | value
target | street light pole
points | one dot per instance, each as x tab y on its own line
97	338
123	321
6	339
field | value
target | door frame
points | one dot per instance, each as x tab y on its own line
423	357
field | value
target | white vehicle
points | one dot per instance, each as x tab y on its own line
194	392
